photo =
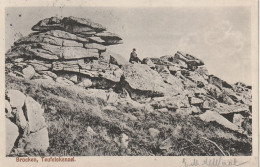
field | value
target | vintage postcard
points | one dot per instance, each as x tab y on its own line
120	83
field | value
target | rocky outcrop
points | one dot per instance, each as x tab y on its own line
73	52
26	129
71	46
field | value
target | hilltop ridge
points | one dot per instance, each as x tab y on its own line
134	100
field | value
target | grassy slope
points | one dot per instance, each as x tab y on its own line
69	110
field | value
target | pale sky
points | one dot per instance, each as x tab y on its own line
218	36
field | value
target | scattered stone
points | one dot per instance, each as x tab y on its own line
95	46
171	103
238	119
207	105
124	140
28	72
90	131
153	132
85	82
212	116
166	144
196	101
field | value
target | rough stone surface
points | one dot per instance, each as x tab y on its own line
113	58
38	140
78	53
20	118
238	119
74	53
124	140
141	78
148	62
86	83
196	101
11	135
64	81
28	72
8	109
171	103
34	114
16	98
90	131
212	116
153	132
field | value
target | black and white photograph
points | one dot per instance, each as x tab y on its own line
102	81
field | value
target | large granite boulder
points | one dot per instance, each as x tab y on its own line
140	79
26	129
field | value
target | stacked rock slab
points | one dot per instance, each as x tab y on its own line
26	129
69	45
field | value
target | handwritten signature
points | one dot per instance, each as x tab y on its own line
214	162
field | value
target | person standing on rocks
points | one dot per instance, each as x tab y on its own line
133	57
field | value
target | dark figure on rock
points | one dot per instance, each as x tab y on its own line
133	57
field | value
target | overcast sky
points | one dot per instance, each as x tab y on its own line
218	36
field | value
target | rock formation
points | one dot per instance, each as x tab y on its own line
73	51
26	129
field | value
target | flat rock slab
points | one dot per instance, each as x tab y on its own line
188	58
53	23
78	53
95	46
212	116
83	21
65	35
222	108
